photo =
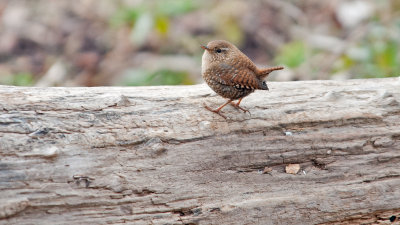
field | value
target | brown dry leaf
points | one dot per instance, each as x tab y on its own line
267	170
292	168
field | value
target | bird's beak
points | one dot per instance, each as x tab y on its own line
204	47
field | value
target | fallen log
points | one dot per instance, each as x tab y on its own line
154	155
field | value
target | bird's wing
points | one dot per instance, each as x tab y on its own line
233	76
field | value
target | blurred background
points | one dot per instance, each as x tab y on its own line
157	42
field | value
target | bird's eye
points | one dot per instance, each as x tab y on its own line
218	50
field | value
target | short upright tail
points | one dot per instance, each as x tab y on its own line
262	73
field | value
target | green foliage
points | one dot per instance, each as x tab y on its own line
125	16
382	54
344	63
151	15
162	24
147	17
376	55
292	54
21	79
231	30
160	77
168	77
175	7
386	58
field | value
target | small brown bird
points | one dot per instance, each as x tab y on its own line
231	74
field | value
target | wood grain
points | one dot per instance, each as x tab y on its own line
154	155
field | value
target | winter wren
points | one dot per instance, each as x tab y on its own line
231	74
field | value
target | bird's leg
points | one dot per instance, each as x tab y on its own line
217	111
236	105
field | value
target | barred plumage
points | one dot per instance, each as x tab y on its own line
230	73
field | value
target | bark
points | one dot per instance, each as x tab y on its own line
154	155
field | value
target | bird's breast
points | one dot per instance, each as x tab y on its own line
205	62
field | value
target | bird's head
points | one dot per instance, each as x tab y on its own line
219	50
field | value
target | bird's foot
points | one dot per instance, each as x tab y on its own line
217	111
240	108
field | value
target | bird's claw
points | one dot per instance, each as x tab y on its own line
240	108
214	111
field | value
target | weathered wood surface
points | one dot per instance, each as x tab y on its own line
154	155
